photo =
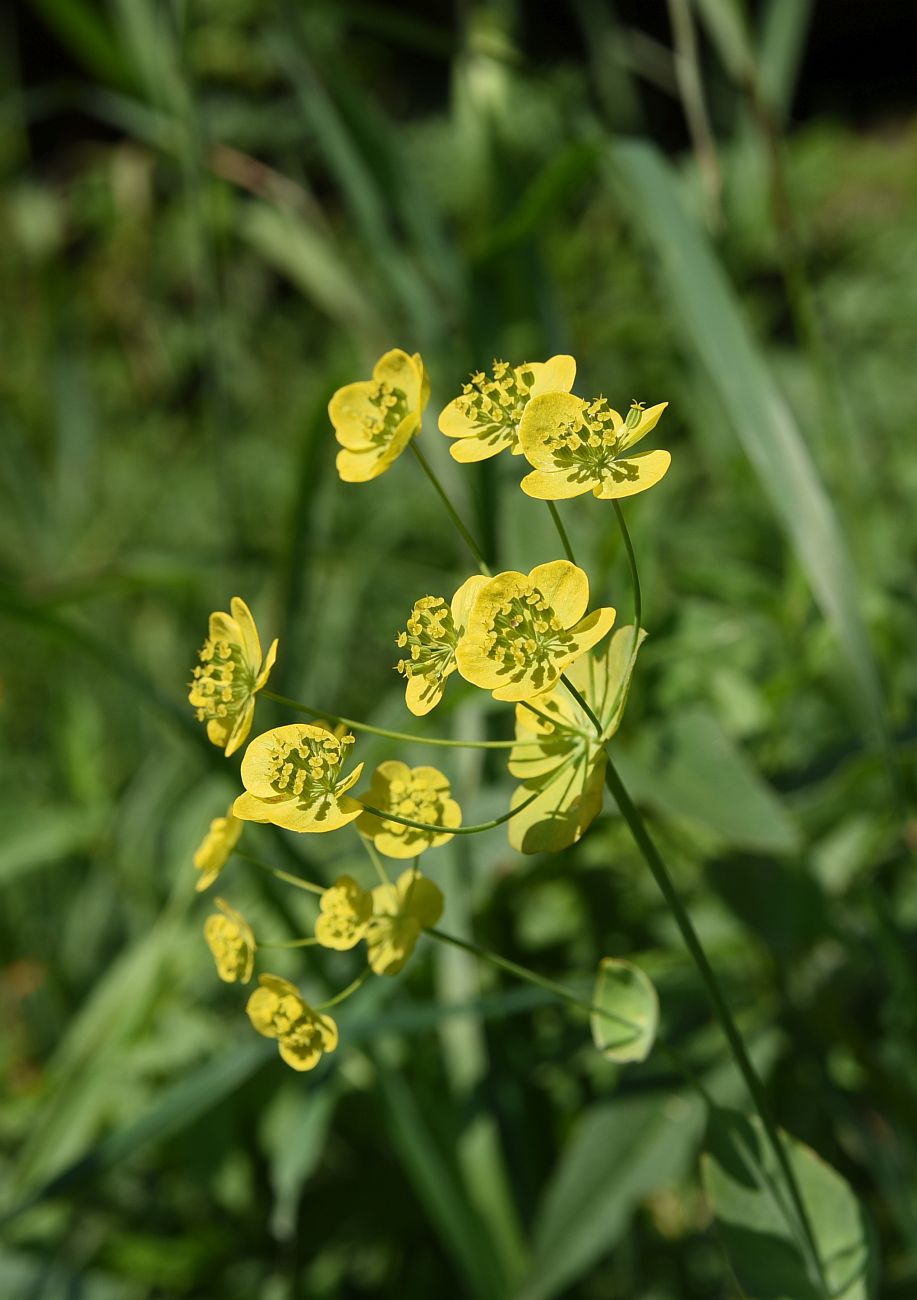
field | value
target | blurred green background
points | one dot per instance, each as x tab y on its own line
213	214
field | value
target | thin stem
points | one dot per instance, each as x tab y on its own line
567	995
374	858
632	561
472	544
281	875
587	709
466	830
553	723
667	888
345	993
562	532
293	943
383	731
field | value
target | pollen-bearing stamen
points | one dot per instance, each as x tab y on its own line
309	770
494	404
430	636
524	632
222	681
391	406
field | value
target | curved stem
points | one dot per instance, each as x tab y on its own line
467	830
736	1043
374	858
587	708
453	513
567	995
293	943
345	993
325	716
562	532
632	561
285	876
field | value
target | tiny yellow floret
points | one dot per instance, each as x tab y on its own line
578	446
293	777
401	912
216	848
375	419
277	1010
524	629
484	419
230	674
421	794
430	638
230	939
345	913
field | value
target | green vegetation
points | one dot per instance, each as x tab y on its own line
250	202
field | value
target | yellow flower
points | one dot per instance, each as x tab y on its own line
400	913
216	848
230	939
375	419
567	801
345	913
433	631
276	1010
523	631
419	793
292	777
485	418
578	446
230	674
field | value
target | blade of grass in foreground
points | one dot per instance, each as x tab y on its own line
716	331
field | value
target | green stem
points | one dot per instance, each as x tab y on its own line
325	716
345	993
472	544
755	1088
374	858
632	561
467	830
567	995
581	701
281	875
293	943
562	532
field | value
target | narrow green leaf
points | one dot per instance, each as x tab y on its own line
755	1220
717	333
626	994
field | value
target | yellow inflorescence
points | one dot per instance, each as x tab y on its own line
401	912
345	913
276	1010
216	848
232	943
485	418
229	675
293	778
375	419
420	794
433	632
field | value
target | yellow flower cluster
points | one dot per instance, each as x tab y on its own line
527	638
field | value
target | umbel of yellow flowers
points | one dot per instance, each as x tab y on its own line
229	675
484	419
579	447
421	794
433	632
524	630
230	939
375	419
293	778
216	849
277	1010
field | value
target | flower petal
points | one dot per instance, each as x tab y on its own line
421	694
626	478
249	808
401	371
648	420
454	422
248	633
241	727
556	485
556	375
590	630
468	450
565	587
560	814
540	421
464	598
361	466
266	667
348	409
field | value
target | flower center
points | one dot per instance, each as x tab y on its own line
222	680
589	442
228	944
308	770
415	799
391	406
285	1011
495	403
431	635
525	632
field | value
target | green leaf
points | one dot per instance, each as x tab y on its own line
627	1030
619	1154
716	331
691	769
761	1234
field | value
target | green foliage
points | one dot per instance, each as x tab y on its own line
624	1027
250	203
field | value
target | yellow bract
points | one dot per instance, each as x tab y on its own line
433	631
216	848
277	1010
485	418
375	419
400	913
422	794
562	736
293	778
230	939
579	446
345	913
524	630
229	675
